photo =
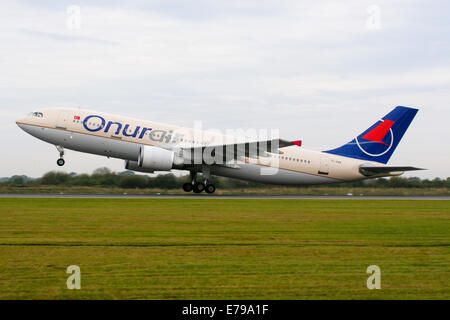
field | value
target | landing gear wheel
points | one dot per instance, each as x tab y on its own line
199	187
187	187
210	188
60	162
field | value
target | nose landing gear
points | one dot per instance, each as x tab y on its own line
60	162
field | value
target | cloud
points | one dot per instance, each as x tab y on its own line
65	37
310	68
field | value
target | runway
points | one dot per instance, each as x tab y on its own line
205	196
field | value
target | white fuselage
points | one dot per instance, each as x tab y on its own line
121	137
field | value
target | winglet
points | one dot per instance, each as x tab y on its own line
297	142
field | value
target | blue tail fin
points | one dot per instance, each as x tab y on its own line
379	141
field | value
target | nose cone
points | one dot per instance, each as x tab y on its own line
22	119
20	122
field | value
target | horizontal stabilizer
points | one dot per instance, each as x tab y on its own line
371	170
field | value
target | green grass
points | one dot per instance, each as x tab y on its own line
271	190
224	249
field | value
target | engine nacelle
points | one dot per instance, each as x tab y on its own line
134	166
155	159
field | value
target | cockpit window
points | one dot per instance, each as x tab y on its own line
37	114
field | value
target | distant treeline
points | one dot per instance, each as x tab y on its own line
106	178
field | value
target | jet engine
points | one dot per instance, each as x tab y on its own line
134	166
152	159
156	159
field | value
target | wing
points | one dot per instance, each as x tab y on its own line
222	153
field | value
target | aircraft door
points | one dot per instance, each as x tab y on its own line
63	120
324	165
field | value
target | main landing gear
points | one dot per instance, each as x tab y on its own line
198	187
60	162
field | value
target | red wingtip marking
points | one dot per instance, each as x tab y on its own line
378	133
297	142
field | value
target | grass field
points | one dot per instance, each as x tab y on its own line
224	249
272	190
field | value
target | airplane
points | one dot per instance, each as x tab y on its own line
151	146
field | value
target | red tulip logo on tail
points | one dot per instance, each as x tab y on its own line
378	134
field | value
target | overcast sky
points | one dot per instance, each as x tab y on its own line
320	71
